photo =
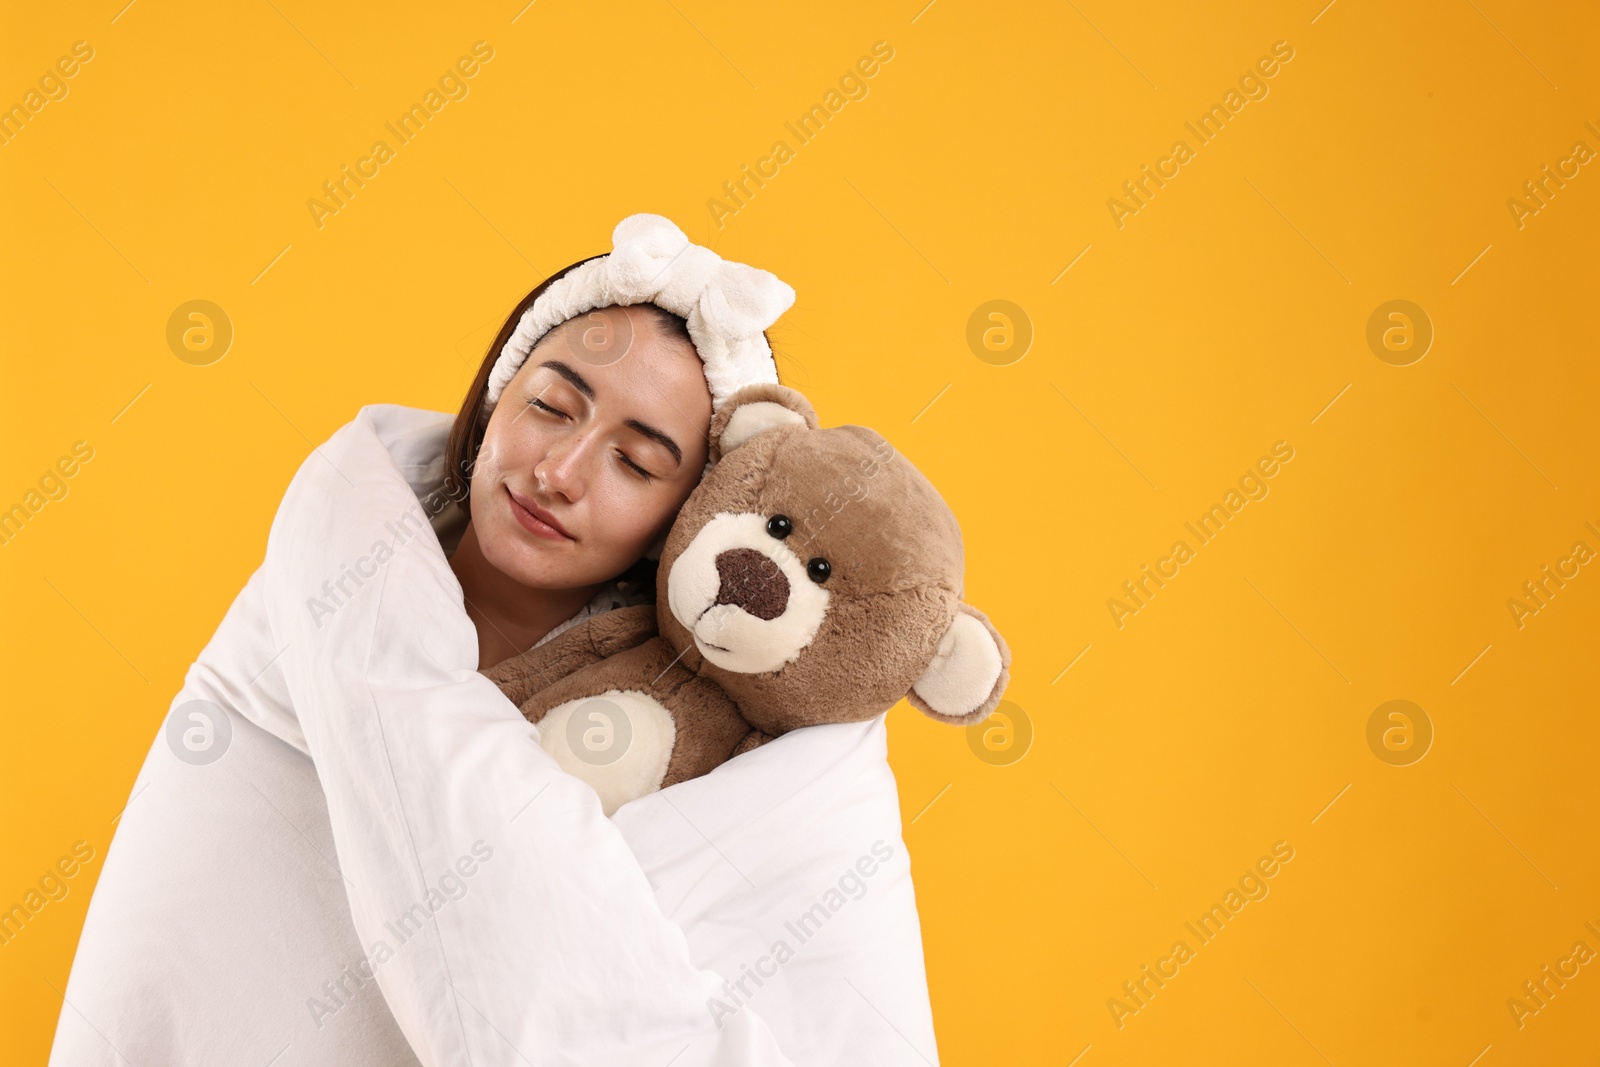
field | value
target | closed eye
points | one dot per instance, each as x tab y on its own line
646	475
623	456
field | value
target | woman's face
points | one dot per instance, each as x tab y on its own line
603	432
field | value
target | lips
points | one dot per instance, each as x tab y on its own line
536	519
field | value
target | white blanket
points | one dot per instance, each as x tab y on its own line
384	819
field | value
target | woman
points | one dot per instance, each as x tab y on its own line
246	876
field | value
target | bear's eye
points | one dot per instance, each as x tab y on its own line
818	570
779	526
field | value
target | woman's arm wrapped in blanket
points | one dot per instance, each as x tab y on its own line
506	919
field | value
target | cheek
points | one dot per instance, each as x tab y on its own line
498	462
515	446
487	473
621	514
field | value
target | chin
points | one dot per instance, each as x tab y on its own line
519	556
541	564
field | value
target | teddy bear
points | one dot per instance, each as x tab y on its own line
813	576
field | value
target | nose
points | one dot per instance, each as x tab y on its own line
561	469
750	580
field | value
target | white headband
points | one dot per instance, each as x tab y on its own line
726	304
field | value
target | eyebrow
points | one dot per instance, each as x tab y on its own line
656	435
582	385
578	381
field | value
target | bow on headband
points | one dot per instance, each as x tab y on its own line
727	305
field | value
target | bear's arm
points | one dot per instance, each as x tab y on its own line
710	730
752	739
594	639
707	726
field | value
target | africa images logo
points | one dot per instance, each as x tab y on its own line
337	992
1205	129
1252	886
851	885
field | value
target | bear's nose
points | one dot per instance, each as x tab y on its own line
750	580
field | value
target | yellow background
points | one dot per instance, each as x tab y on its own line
1226	315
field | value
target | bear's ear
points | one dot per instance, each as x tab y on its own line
968	674
756	409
